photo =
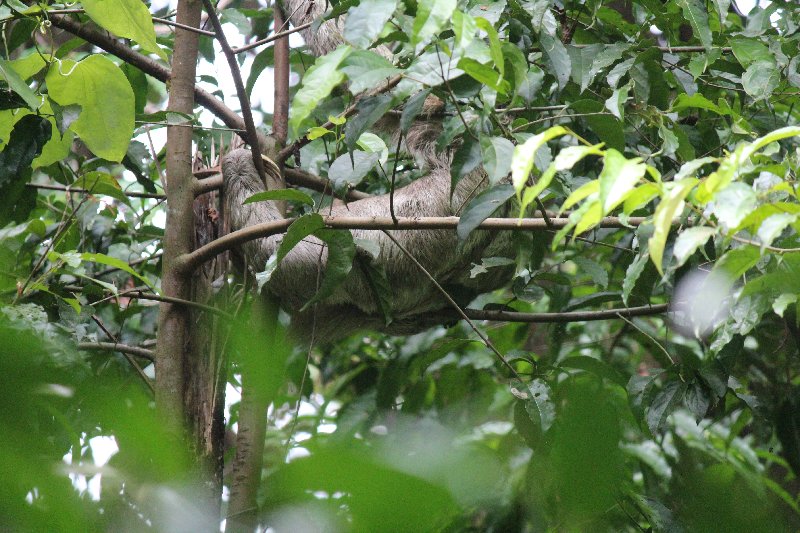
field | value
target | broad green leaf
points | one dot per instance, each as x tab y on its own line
582	58
640	196
466	159
733	203
664	403
590	218
365	21
690	240
773	226
30	65
412	109
318	83
595	270
616	102
369	111
347	172
558	58
291	195
484	74
749	51
495	49
26	141
371	143
761	79
632	274
431	17
618	178
696	101
115	263
497	154
465	27
669	206
524	154
597	367
125	18
782	302
584	191
737	261
299	230
690	167
17	84
106	99
316	132
610	54
539	404
101	183
365	69
694	11
482	207
341	252
745	151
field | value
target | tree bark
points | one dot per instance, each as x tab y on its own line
173	319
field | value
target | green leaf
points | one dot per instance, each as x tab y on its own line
18	85
690	240
318	83
524	154
104	94
125	18
432	15
749	51
412	109
694	11
610	54
595	366
697	101
565	160
761	79
299	230
465	27
466	159
539	405
484	74
664	403
101	183
365	21
27	139
495	50
369	111
595	270
662	218
773	226
616	102
618	178
347	172
736	262
115	263
733	203
632	274
365	69
341	252
497	154
557	57
291	195
482	207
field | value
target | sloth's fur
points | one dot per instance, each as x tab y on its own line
416	302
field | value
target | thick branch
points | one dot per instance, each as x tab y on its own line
117	347
295	176
571	316
192	260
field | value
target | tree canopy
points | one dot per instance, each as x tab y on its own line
640	372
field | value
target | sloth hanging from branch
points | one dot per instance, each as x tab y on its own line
383	288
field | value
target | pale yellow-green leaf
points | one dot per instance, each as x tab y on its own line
524	154
125	18
106	99
318	82
618	178
584	191
662	218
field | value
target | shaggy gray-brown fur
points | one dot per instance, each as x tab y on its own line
416	302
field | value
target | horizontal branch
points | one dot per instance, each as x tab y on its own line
117	347
188	262
571	316
295	176
132	194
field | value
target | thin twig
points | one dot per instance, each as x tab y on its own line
569	316
455	306
394	173
273	37
244	101
117	347
87	191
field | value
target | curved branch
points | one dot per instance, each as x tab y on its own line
146	65
192	260
570	316
117	347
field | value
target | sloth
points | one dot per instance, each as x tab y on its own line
416	303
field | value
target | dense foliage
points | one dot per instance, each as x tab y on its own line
678	117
